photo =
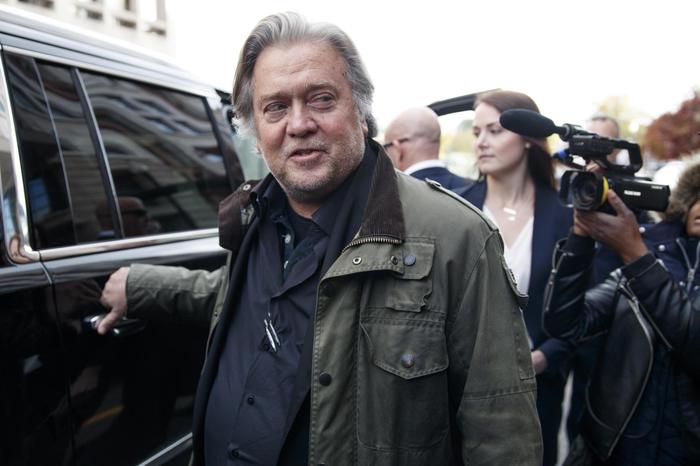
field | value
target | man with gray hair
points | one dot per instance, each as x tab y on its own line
412	142
365	317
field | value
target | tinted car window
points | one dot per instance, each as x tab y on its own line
165	161
92	216
49	207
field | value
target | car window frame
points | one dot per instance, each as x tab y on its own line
124	71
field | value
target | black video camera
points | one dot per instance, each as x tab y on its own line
587	190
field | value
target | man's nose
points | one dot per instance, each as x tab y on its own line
301	121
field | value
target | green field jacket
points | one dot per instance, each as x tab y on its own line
418	322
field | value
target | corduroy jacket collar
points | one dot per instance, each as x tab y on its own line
383	214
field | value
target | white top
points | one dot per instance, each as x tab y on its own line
423	164
519	254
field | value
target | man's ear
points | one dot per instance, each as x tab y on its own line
401	157
365	128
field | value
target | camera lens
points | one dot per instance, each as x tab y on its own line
587	191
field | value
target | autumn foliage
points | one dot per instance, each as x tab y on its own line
673	135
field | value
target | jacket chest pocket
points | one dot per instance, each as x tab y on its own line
402	389
406	289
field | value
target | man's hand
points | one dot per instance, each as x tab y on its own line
539	361
113	298
619	233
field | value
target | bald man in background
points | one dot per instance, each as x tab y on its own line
607	126
412	141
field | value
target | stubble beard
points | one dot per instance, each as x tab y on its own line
335	171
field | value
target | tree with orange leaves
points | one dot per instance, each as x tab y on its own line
673	135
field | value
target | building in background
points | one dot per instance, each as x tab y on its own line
140	22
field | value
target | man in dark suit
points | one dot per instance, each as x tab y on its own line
412	141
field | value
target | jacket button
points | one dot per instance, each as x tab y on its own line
233	453
250	400
394	260
662	247
357	260
408	360
246	187
642	230
325	379
409	260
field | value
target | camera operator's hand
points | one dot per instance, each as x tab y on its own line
619	233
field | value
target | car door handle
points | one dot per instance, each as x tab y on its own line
122	328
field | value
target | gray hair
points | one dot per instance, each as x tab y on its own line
289	28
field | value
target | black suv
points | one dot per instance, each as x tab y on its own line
107	157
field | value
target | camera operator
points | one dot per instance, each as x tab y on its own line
644	394
582	362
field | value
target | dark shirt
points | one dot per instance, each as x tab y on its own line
257	390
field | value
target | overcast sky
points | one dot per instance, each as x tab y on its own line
567	55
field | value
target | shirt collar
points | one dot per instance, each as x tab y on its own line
423	164
325	216
382	216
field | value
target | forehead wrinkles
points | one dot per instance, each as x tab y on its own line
311	58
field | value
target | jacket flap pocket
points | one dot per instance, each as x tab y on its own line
406	295
407	349
417	259
407	290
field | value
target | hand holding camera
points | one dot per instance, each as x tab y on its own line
618	232
586	190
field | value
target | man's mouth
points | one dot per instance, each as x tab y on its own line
305	155
303	152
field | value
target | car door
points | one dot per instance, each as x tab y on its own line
116	171
34	408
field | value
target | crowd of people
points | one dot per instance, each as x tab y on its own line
366	316
590	328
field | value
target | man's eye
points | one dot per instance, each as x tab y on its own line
322	100
275	108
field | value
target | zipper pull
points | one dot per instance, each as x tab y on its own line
691	279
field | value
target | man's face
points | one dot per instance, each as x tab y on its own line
605	128
309	131
692	225
393	135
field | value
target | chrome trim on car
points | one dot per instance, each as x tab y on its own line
127	243
20	205
180	445
186	86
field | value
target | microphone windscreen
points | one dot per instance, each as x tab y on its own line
527	123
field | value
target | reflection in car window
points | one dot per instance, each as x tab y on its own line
49	208
92	217
165	161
